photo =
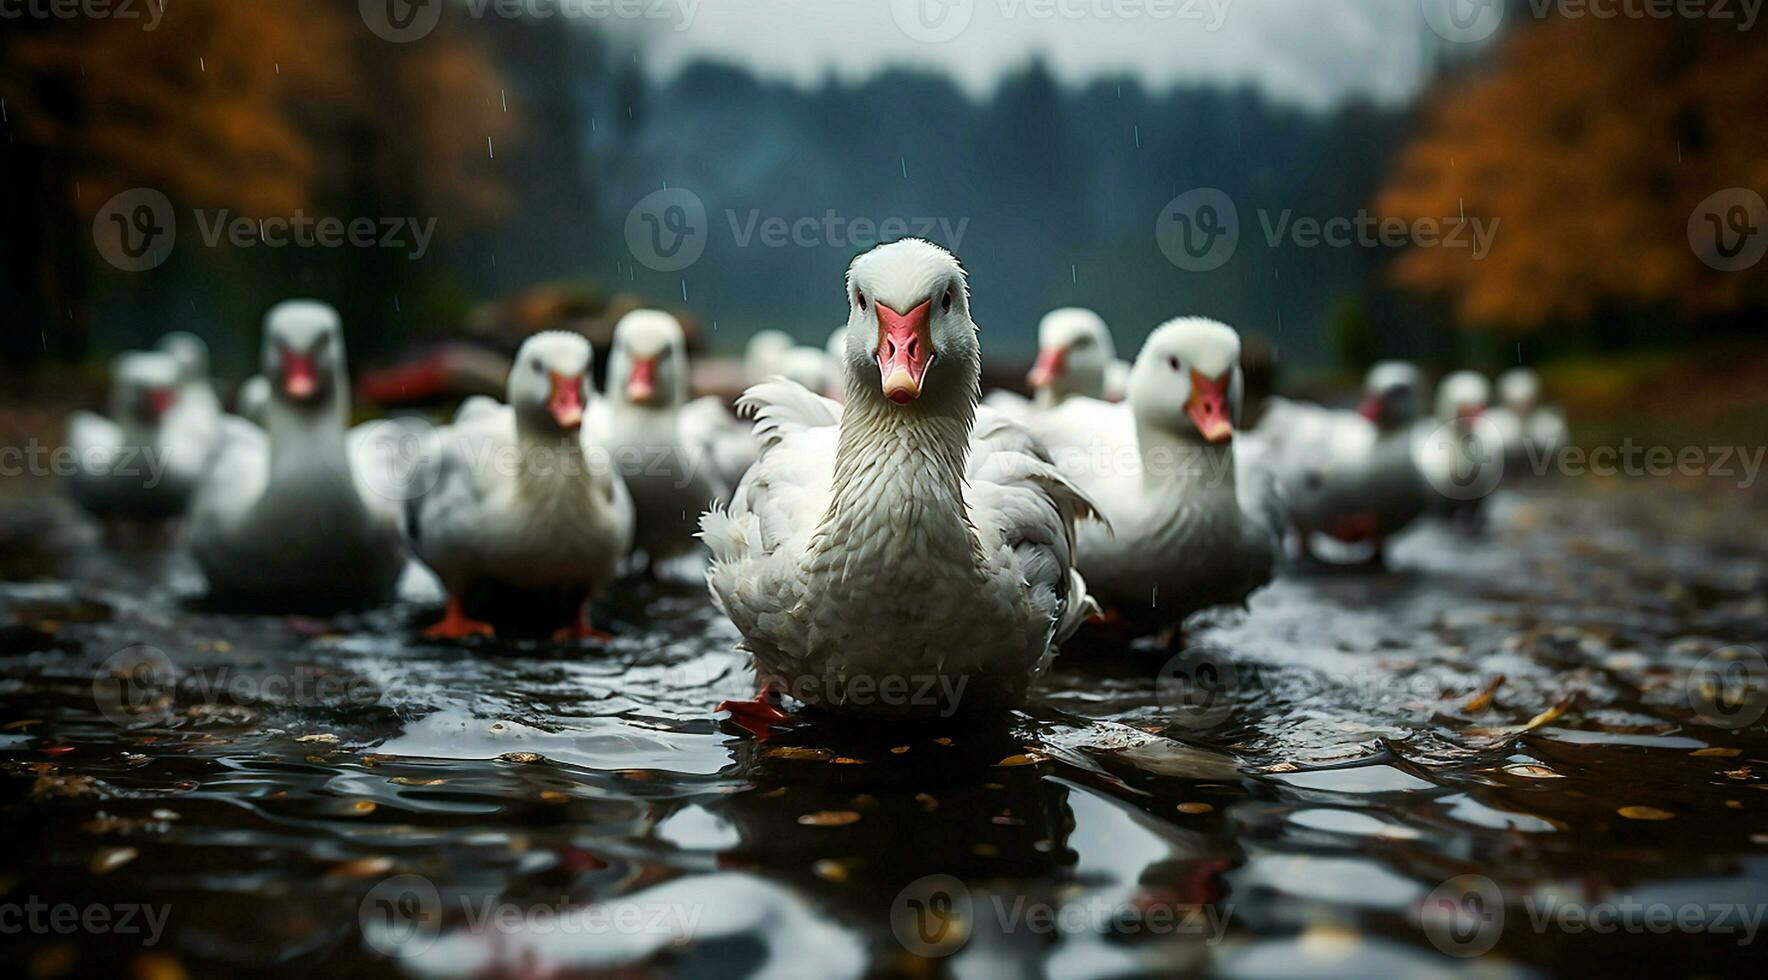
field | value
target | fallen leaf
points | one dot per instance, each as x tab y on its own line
1532	771
829	818
325	738
1196	808
830	870
523	758
112	858
797	752
414	781
927	801
368	867
1026	759
1483	700
1645	813
1716	751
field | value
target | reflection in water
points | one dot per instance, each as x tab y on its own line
303	794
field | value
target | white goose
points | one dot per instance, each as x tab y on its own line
665	465
904	557
1461	452
1074	357
1532	432
300	512
132	466
196	390
1191	527
1353	476
513	503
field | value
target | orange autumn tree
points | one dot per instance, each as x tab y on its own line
260	107
1592	142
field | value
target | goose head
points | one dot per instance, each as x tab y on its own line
549	383
910	340
1462	398
1187	383
1074	353
1393	394
1519	390
191	353
303	355
144	387
763	354
808	366
648	364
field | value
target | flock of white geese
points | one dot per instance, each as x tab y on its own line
878	518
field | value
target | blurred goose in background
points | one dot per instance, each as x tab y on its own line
1074	357
252	399
809	366
196	390
660	450
301	511
1461	453
764	354
555	524
1532	432
132	466
906	538
836	350
1354	477
1191	526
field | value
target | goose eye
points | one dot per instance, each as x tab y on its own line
860	295
945	304
1172	362
538	367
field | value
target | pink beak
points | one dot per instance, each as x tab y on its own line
1208	407
566	400
905	349
1469	412
641	381
300	379
159	401
1371	408
1048	367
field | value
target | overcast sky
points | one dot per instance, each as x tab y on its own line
1312	52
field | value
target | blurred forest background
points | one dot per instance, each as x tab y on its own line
1590	141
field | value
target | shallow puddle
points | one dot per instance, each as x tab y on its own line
1358	778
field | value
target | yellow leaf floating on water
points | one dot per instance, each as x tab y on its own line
1716	751
368	867
1196	808
1645	813
1532	771
1027	759
829	818
414	781
153	966
1483	700
554	796
523	758
112	858
1549	715
927	801
362	808
898	750
942	740
842	760
830	870
797	752
323	738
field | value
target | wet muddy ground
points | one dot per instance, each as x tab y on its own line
1539	752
